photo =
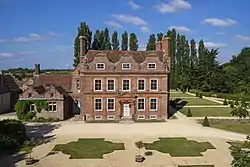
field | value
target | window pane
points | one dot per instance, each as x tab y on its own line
153	104
111	84
98	84
111	104
140	104
153	84
126	85
141	85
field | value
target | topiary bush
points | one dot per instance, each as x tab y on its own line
12	134
225	102
200	95
197	94
189	114
206	122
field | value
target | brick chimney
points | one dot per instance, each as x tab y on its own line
37	69
83	45
158	46
166	45
1	78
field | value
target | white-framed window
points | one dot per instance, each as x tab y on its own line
110	117
141	84
140	117
126	84
154	84
151	65
126	66
97	84
110	104
153	104
141	104
98	104
52	106
98	117
152	117
100	66
32	107
110	84
78	84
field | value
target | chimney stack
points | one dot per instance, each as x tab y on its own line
158	46
37	69
166	45
83	45
1	78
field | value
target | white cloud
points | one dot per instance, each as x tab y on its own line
133	4
243	38
220	22
214	45
220	33
29	38
145	29
180	28
142	47
2	40
130	19
53	34
13	54
113	24
173	6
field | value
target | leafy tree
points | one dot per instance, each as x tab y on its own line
159	36
240	110
115	41
98	40
151	42
133	42
124	41
83	30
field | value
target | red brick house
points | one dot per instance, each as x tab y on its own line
107	85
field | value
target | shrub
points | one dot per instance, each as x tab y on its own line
12	134
236	102
200	96
189	114
232	105
197	94
42	119
225	102
206	122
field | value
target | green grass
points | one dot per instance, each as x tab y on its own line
180	95
88	148
206	111
197	101
195	165
237	127
173	117
179	147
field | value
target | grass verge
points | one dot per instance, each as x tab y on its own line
206	111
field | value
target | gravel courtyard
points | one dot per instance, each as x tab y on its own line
129	134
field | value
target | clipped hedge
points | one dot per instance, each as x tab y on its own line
221	95
12	134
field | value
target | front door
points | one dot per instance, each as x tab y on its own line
126	110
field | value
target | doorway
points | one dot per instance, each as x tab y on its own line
126	110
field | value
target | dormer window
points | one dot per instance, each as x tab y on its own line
151	66
126	66
100	66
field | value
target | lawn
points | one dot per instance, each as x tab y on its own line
206	111
88	148
195	165
195	101
180	95
237	127
179	147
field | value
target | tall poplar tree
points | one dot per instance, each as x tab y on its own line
151	43
115	41
124	45
133	42
107	44
83	30
159	36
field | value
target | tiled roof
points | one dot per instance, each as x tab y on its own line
63	80
11	83
115	55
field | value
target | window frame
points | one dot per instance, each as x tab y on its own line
129	85
108	104
155	105
144	104
129	66
153	117
52	103
33	104
110	117
78	84
152	64
108	79
157	84
138	84
98	110
100	69
96	117
141	117
95	79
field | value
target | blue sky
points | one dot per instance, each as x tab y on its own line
43	31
